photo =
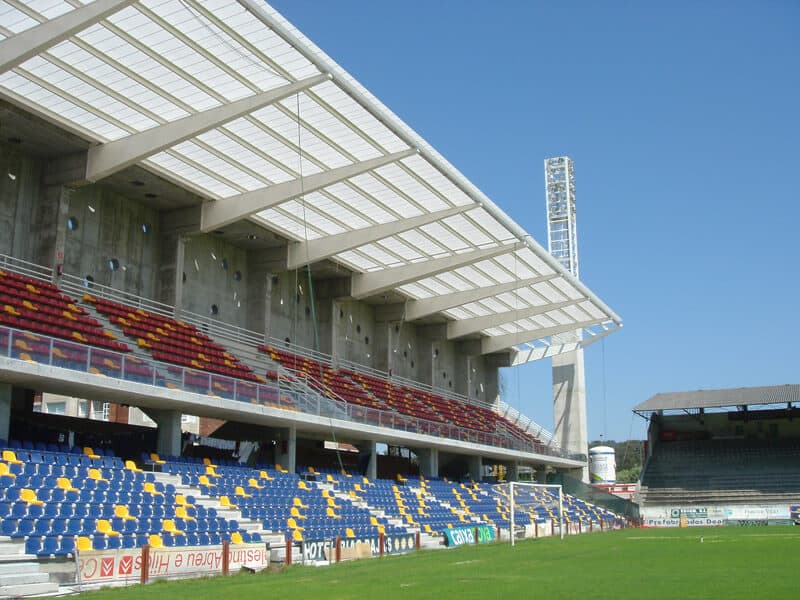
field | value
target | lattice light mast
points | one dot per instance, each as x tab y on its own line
562	231
569	381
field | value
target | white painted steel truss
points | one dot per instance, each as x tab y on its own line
230	101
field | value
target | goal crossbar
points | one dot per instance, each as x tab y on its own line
512	488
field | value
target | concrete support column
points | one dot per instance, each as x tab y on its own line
267	306
569	405
368	458
169	430
286	450
428	461
61	233
180	259
476	468
5	410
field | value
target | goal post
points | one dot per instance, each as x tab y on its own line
524	495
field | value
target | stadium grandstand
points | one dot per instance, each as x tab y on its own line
229	275
717	456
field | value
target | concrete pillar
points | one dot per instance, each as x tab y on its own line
5	410
180	259
267	306
61	233
368	457
428	461
476	468
569	405
286	450
169	430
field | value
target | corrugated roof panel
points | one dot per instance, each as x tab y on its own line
404	251
381	193
423	243
445	236
412	187
415	290
326	203
549	292
476	277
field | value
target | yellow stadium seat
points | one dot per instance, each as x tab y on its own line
121	511
332	503
150	488
225	502
298	503
239	491
104	527
208	463
5	471
181	500
169	526
295	512
157	459
211	472
155	541
180	512
65	484
266	476
292	524
349	533
236	538
29	496
10	457
83	544
297	535
96	475
131	466
253	483
330	513
90	453
203	480
280	469
303	485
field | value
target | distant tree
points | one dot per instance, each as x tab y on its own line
629	475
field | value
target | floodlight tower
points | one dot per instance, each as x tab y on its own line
569	379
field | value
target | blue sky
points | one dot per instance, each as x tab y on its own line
683	119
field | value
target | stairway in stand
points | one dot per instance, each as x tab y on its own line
19	572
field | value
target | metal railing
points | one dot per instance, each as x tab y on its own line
36	348
296	382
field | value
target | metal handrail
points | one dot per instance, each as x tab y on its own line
251	339
100	361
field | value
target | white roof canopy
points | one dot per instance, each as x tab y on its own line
228	100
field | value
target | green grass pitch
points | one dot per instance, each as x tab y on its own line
634	563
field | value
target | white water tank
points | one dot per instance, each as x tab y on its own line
602	465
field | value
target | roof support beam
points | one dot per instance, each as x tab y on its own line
105	159
217	213
503	342
377	282
417	309
526	355
16	49
303	253
598	336
464	327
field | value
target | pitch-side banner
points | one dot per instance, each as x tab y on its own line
121	565
462	536
392	544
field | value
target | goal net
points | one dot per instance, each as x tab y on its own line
533	505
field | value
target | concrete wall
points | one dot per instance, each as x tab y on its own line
291	316
353	332
111	226
20	196
211	266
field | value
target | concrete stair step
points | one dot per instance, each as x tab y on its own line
18	567
24	578
12	549
28	589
